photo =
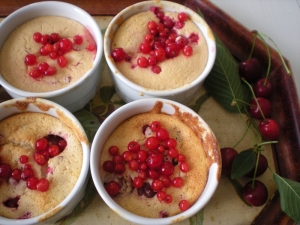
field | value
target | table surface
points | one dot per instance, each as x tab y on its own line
279	19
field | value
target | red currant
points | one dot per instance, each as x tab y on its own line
112	188
184	205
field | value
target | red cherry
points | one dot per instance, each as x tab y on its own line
261	89
269	129
31	183
265	106
256	195
250	70
228	155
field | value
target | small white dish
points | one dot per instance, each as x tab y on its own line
169	107
64	208
130	91
75	96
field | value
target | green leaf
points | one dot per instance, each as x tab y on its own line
106	93
198	218
224	82
289	191
199	102
243	163
89	122
89	196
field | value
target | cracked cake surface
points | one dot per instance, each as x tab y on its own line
18	134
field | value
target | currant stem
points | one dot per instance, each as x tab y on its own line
280	55
263	116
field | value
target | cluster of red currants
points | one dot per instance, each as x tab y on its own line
55	47
46	148
161	43
153	161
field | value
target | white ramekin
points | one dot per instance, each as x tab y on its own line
77	95
20	105
145	105
130	91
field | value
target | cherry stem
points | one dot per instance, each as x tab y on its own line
253	45
269	55
263	116
255	170
248	125
266	143
280	55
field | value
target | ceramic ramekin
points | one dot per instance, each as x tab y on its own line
169	107
130	91
21	105
77	95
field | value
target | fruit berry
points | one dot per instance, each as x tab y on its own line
184	205
255	193
112	188
250	70
5	170
228	155
261	167
269	129
262	111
